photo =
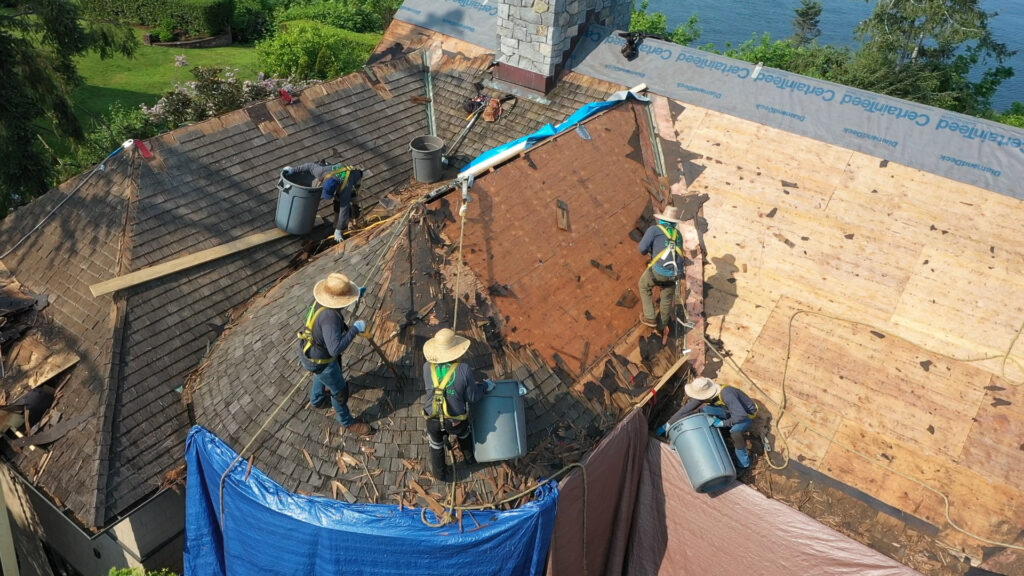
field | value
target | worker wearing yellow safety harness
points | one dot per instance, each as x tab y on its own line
323	338
450	388
730	407
341	184
664	243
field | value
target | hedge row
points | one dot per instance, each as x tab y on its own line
193	17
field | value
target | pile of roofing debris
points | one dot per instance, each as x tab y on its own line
31	369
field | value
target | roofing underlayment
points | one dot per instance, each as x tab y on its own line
874	310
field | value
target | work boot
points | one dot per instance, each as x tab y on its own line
466	445
438	469
359	429
742	457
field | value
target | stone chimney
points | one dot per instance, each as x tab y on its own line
535	36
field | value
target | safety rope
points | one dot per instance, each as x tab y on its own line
263	426
305	377
781	407
98	168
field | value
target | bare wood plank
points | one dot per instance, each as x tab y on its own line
178	264
52	366
562	215
663	380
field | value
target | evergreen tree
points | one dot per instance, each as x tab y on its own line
39	40
806	24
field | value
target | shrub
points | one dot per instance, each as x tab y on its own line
310	50
165	30
344	15
194	17
252	20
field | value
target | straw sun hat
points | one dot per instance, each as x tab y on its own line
445	346
671	214
335	291
702	389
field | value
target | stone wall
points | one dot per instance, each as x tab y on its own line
535	35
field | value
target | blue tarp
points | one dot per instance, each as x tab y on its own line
549	130
268	530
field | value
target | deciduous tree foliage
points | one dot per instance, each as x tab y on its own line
38	42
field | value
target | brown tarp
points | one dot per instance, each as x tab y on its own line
643	518
613	476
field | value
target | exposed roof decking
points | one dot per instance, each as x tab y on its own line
905	294
409	266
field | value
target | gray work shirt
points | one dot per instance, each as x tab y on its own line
461	390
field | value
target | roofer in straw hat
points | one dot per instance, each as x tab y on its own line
323	339
731	407
664	243
450	388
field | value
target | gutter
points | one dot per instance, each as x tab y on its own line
86	534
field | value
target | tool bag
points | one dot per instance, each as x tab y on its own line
305	335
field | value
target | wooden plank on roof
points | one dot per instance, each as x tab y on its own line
185	262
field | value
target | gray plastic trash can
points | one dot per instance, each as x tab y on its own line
702	450
426	158
297	202
499	423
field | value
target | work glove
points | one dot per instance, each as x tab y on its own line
662	430
288	170
488	385
717	423
360	326
338	237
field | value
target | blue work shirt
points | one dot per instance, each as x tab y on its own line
343	197
736	402
654	242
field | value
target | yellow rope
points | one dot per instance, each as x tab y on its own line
256	435
781	407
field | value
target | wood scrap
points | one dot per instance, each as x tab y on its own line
431	502
309	459
338	487
342	466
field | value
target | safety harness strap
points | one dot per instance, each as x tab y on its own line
440	405
306	334
719	402
672	243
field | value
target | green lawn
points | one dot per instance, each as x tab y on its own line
151	72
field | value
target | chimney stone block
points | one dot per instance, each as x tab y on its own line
540	6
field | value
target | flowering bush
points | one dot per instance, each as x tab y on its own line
214	91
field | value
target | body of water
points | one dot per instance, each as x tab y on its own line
736	21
